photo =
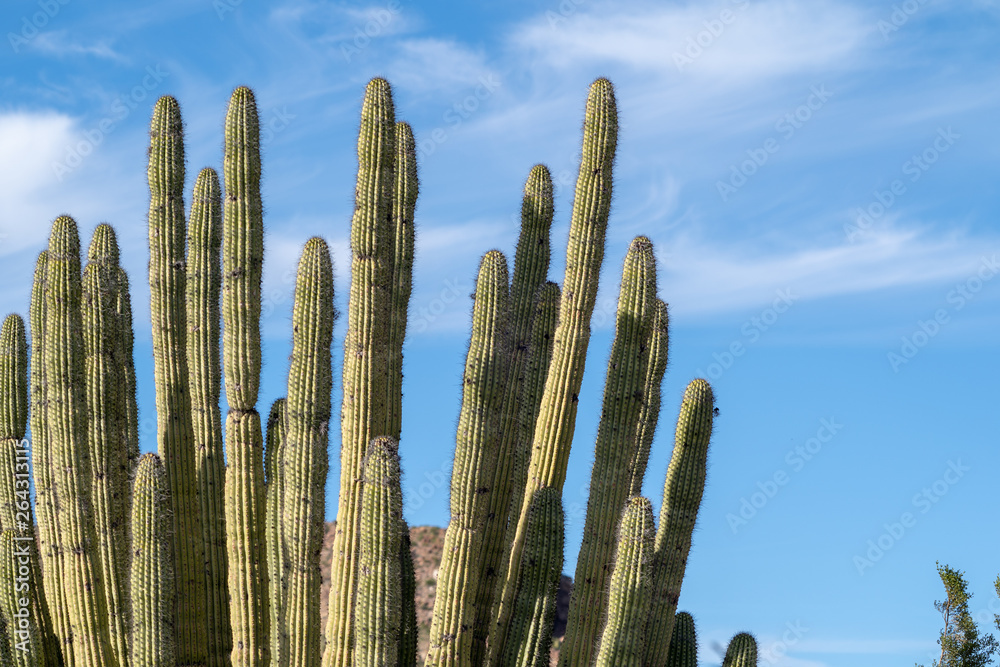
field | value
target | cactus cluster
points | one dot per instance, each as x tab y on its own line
200	556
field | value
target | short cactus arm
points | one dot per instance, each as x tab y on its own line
649	413
152	571
683	642
378	611
535	607
682	492
623	637
742	651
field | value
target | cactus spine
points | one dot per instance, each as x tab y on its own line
76	538
174	433
152	573
649	411
741	652
274	472
364	412
615	450
242	267
622	641
535	606
682	493
584	256
305	459
531	265
378	611
683	642
479	430
15	503
106	409
203	281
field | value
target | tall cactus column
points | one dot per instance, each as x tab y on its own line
364	411
174	433
203	284
584	256
76	538
105	410
614	452
477	440
304	451
242	270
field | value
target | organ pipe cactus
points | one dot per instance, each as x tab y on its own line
304	460
479	430
682	493
615	450
584	255
242	271
622	639
152	568
364	412
174	434
503	553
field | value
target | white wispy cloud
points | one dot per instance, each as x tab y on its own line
60	43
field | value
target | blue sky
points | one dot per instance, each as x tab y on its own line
819	180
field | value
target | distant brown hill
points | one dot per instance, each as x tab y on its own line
427	543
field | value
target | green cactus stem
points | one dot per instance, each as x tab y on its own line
76	537
479	430
535	608
378	611
364	411
408	614
15	501
53	573
174	434
584	256
17	597
152	573
683	642
614	452
203	282
649	413
305	459
242	266
531	265
682	493
404	204
741	652
105	410
277	578
622	640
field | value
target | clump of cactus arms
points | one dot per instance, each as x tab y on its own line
199	557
